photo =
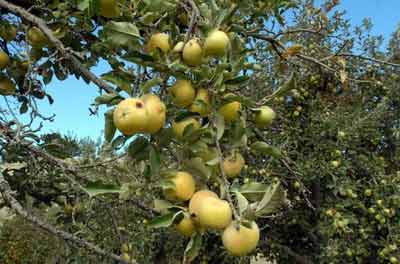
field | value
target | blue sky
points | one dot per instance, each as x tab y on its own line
73	97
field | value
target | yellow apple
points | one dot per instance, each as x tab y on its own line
109	8
264	116
184	187
156	113
7	87
216	44
192	53
130	116
179	126
233	165
214	213
240	240
186	226
8	32
160	41
201	103
197	199
4	59
230	111
36	37
182	93
178	47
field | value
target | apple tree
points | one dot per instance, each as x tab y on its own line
234	132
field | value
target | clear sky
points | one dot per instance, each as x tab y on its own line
73	97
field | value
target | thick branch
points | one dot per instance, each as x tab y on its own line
75	63
14	204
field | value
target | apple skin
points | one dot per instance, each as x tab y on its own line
179	126
240	240
36	37
184	187
233	165
201	104
186	226
192	53
217	43
7	87
4	60
196	200
182	93
214	213
130	116
159	40
109	8
264	116
156	113
230	111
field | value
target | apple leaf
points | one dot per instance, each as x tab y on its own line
98	188
137	147
220	124
196	166
260	147
242	202
155	161
165	220
273	199
193	248
109	127
162	206
253	191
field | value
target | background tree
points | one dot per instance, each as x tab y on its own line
285	113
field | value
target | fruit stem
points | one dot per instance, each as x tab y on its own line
225	180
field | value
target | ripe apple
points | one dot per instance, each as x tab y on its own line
36	37
7	87
159	40
196	200
192	53
109	8
185	226
4	59
156	113
184	187
264	116
178	47
130	116
233	165
216	44
201	103
230	111
182	93
179	126
214	213
240	240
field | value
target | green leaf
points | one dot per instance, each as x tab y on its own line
146	86
220	124
260	147
118	80
237	80
193	248
273	199
196	166
121	33
285	88
246	101
162	206
165	220
109	127
253	191
108	99
155	161
243	203
98	188
137	147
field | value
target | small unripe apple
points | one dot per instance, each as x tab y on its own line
264	116
182	93
7	87
335	163
240	240
217	43
192	53
184	187
179	126
368	192
186	226
160	41
36	37
230	111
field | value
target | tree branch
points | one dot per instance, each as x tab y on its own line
14	204
66	52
